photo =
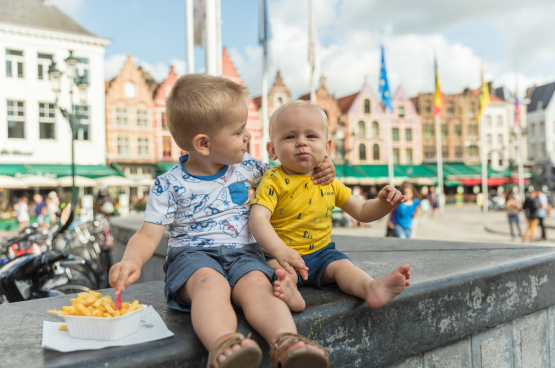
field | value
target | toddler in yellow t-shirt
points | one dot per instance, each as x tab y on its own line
291	217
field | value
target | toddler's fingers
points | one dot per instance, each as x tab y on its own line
122	278
287	267
304	274
113	275
391	194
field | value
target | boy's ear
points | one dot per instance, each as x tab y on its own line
328	146
201	144
271	150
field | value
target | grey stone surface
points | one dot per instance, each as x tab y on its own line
459	290
530	341
551	337
493	348
412	362
456	355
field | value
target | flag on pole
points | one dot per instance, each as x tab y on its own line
438	95
484	94
199	16
311	38
384	85
264	27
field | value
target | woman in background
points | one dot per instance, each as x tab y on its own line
403	216
22	211
512	208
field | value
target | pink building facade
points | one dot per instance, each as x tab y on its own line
165	148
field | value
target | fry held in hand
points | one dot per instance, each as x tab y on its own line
93	304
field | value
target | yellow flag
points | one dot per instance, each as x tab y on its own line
484	95
438	96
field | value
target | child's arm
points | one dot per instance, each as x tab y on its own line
262	230
140	248
374	209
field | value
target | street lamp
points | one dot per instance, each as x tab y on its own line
73	116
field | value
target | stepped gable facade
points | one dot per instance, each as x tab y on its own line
277	96
165	148
253	123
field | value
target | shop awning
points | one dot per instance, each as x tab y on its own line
58	171
15	170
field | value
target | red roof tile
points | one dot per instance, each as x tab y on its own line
345	103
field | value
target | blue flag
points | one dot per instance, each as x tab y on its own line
384	85
264	26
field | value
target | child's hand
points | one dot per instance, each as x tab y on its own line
291	260
392	196
324	173
123	274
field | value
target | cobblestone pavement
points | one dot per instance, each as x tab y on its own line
466	223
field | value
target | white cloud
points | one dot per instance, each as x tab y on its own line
351	33
70	7
113	65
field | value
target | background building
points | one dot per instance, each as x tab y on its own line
459	127
541	136
34	33
165	148
277	96
130	132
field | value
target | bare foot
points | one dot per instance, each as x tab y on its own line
387	287
234	348
286	290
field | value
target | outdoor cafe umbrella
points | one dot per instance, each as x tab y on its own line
115	181
39	181
12	183
80	181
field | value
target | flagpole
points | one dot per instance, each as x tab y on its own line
219	50
189	12
265	119
520	157
312	50
484	165
389	146
211	37
439	156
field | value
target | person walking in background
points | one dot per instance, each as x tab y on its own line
22	211
530	211
541	203
405	213
512	208
434	200
39	207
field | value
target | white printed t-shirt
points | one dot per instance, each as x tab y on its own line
205	211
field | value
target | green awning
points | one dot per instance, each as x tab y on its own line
57	171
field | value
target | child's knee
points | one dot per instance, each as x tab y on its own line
205	279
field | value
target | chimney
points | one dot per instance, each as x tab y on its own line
171	70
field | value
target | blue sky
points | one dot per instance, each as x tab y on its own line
501	32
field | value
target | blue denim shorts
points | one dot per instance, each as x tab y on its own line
317	263
232	263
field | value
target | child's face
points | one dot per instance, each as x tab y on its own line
229	143
299	139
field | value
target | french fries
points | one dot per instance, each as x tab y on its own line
93	304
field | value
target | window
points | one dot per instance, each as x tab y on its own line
130	90
473	151
444	130
367	106
362	152
14	57
82	129
164	122
143	147
16	119
429	109
361	129
471	112
532	130
487	120
457	131
451	110
43	61
500	162
142	119
123	146
458	152
376	152
541	129
488	140
121	118
395	134
47	120
500	140
280	101
444	151
543	152
167	147
499	121
408	134
396	156
409	156
428	131
375	129
401	111
429	152
473	129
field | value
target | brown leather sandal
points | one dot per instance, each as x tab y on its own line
300	358
246	357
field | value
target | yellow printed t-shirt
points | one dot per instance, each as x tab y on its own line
301	211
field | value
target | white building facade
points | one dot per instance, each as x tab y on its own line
541	132
497	121
32	130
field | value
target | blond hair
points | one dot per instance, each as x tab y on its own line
198	103
292	105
